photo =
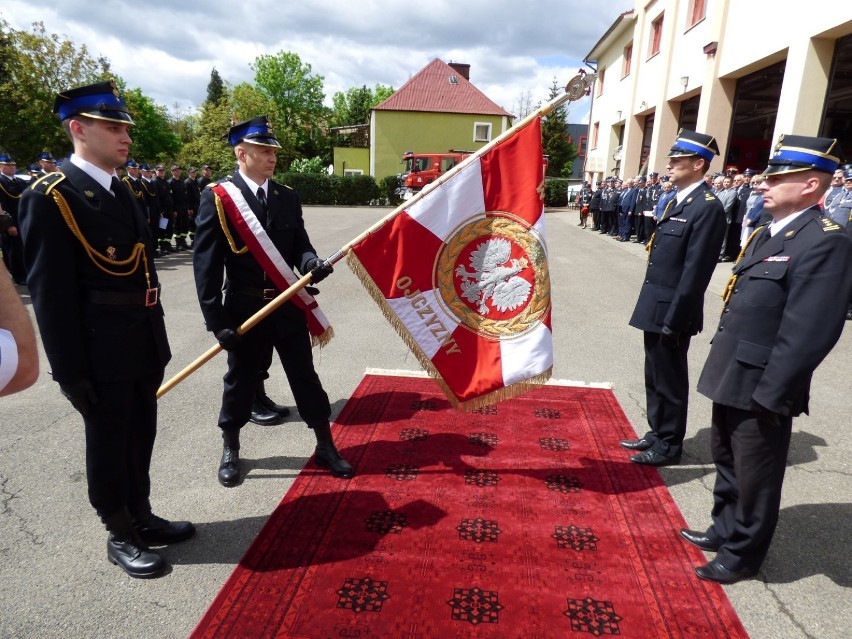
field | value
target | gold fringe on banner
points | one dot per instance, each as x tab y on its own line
507	392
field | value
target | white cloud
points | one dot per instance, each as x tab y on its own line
168	50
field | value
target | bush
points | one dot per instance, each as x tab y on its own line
328	190
556	192
305	165
388	186
353	190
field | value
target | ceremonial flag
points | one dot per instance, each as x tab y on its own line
462	274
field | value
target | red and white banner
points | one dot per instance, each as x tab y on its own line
462	275
266	254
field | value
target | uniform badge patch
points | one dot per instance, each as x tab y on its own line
111	252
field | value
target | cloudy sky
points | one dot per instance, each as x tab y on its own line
515	49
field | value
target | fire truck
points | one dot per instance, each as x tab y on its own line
424	168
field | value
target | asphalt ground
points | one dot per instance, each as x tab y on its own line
55	580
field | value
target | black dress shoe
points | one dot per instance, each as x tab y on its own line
326	455
134	558
635	444
714	571
158	531
699	539
263	416
229	467
268	404
652	458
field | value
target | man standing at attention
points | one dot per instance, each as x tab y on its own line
682	254
785	308
91	274
251	247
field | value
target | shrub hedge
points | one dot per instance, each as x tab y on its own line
320	188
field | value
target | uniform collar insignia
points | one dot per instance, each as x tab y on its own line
88	194
789	233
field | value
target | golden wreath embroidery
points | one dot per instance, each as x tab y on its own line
492	276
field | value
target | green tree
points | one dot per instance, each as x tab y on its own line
215	88
153	137
298	95
38	65
560	152
209	146
353	106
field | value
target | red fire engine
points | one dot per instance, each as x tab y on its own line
424	168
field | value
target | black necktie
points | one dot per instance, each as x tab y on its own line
761	238
261	197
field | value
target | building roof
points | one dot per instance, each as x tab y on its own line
439	88
623	21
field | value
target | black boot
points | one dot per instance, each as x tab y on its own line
326	454
229	466
126	550
157	531
262	416
264	400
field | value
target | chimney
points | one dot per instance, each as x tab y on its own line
462	69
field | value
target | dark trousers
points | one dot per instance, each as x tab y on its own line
596	219
751	456
13	257
732	245
666	393
120	435
286	331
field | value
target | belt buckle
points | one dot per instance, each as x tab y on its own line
270	293
152	296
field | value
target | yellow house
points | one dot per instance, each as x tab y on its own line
436	110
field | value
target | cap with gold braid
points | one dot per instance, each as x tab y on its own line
254	131
101	101
690	143
803	153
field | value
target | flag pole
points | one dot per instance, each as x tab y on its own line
576	88
241	329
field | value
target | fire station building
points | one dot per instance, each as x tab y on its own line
742	71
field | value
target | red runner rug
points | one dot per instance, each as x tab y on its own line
521	520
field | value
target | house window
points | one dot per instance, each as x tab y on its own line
601	74
482	132
628	58
656	36
596	127
582	147
349	172
697	12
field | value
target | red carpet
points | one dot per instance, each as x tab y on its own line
521	520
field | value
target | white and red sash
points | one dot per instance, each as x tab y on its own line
270	259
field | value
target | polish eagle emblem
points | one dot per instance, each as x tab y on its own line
494	278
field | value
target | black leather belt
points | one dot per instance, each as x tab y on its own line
262	293
148	297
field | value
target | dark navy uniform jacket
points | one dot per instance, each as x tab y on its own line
683	254
213	258
82	338
785	314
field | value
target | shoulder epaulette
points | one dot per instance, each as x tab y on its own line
46	183
828	225
709	197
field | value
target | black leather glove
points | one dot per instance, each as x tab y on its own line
669	337
228	338
318	271
81	394
765	414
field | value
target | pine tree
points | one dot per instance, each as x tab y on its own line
561	153
215	88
